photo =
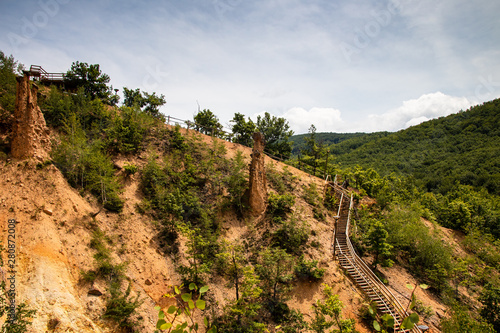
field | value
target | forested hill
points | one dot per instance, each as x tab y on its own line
355	140
462	147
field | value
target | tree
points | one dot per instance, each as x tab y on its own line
149	103
207	123
277	133
276	271
197	266
244	314
232	264
93	81
329	313
237	182
314	150
242	130
8	70
377	238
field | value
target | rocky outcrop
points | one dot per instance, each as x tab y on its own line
257	191
30	133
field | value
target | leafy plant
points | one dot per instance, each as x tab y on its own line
187	304
329	313
150	103
377	238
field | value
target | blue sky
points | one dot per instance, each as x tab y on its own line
343	66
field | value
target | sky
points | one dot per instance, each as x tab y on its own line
342	65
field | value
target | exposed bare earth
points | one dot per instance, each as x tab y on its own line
53	235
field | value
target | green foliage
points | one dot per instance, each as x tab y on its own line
198	255
314	152
329	313
354	140
484	246
237	182
283	181
242	131
461	321
275	270
130	169
8	70
490	299
280	205
411	238
105	268
244	315
377	239
292	321
277	135
149	103
85	166
120	307
93	81
460	147
311	195
308	270
207	123
186	304
230	263
127	130
291	236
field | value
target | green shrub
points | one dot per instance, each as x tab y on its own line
292	236
308	270
311	195
127	130
280	205
120	307
130	169
462	321
280	181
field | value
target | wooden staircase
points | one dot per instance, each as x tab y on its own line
357	269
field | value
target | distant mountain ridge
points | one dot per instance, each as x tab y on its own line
463	147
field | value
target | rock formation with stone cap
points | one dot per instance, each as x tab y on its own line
257	191
30	133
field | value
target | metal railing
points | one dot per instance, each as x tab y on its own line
383	294
40	73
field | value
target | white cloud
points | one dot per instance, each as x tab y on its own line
280	55
416	111
325	119
412	112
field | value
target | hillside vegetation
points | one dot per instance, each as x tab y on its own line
461	147
179	196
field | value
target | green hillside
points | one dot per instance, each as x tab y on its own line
462	147
355	140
